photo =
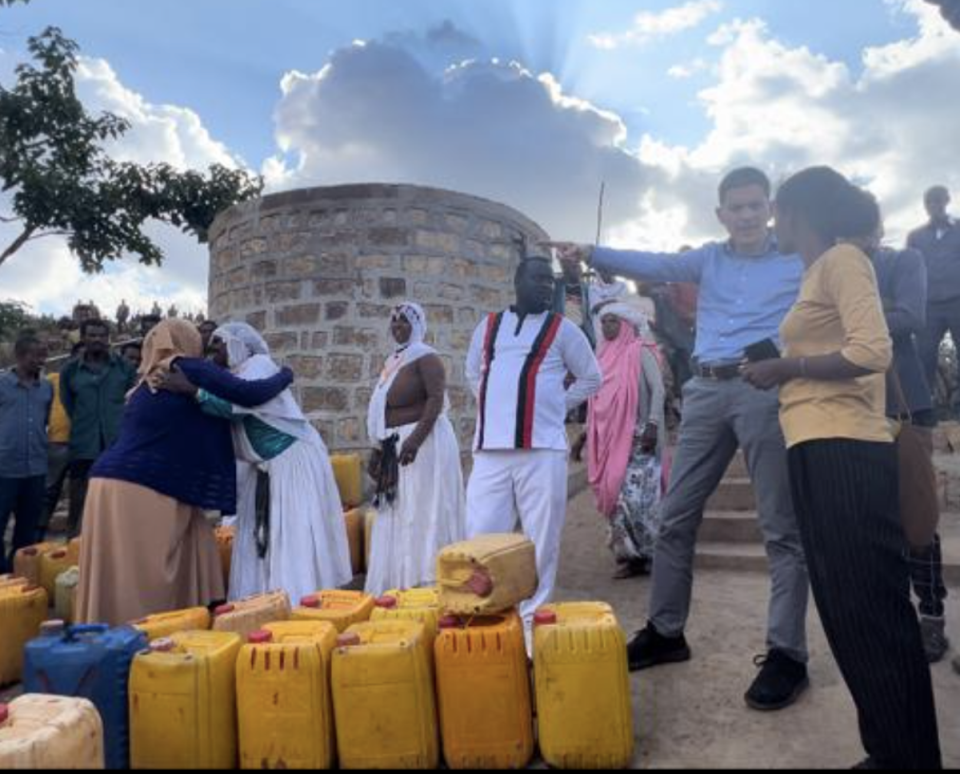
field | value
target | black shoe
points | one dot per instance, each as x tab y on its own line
935	642
649	649
637	568
779	684
868	765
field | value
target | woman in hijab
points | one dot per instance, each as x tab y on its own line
291	534
624	439
420	499
147	547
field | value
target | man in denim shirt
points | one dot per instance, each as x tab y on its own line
746	289
25	401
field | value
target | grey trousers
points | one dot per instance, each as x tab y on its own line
718	418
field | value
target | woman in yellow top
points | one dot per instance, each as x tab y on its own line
843	468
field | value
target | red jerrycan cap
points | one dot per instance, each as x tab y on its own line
165	645
545	618
4	714
348	640
260	638
387	603
480	584
224	610
449	622
32	551
313	602
58	555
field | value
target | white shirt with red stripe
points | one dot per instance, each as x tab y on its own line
517	369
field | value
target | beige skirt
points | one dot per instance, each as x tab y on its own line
143	553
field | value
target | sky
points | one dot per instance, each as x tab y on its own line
532	103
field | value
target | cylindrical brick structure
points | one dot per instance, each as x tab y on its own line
318	271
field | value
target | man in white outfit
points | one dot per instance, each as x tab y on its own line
519	367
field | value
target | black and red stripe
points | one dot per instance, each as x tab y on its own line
527	393
494	322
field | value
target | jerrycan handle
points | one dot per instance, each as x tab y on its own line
73	632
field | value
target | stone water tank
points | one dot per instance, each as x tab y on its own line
318	271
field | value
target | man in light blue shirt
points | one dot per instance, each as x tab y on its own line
25	400
746	289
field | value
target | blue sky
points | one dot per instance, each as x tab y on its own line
657	97
225	58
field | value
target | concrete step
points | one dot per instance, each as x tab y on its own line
738	468
731	527
733	494
734	557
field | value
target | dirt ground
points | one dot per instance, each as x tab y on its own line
693	715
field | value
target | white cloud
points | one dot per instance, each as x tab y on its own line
375	113
495	129
689	69
649	25
46	276
784	108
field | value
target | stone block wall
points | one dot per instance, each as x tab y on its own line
318	272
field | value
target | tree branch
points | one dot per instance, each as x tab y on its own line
17	243
46	234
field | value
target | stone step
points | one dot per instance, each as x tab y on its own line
731	527
738	468
733	494
734	557
751	557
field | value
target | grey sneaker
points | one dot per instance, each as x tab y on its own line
935	642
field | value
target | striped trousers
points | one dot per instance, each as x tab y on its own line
846	497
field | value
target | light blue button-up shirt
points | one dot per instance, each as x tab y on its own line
743	299
24	415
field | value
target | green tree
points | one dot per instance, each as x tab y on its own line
63	183
13	318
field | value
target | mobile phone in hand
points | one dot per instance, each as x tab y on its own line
763	350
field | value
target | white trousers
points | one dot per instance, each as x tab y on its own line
531	485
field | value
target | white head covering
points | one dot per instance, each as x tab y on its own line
243	342
248	356
413	314
616	299
628	312
404	355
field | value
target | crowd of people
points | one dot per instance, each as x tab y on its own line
812	354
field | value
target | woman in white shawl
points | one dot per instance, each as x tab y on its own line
291	534
420	500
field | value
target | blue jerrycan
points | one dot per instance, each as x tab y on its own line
88	662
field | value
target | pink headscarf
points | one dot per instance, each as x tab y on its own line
613	413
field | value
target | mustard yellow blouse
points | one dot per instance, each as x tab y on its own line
839	310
